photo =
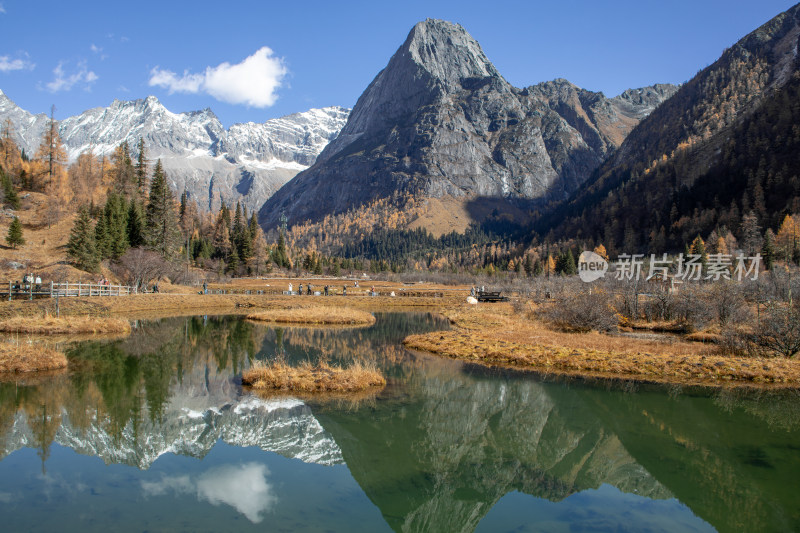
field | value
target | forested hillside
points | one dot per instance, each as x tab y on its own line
726	145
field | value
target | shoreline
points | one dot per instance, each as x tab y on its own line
485	340
491	334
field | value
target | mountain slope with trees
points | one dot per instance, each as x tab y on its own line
725	146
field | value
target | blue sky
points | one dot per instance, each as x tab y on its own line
251	61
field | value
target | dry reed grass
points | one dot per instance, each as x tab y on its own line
26	357
502	339
316	315
313	378
69	325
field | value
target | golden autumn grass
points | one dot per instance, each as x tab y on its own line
308	378
23	357
498	337
67	325
315	315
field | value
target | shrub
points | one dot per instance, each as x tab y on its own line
583	311
778	331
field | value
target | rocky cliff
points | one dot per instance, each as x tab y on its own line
440	120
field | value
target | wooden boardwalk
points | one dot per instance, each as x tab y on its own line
19	291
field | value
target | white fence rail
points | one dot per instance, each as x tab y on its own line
53	290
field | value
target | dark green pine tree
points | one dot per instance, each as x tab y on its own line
566	264
237	229
233	261
116	223
281	258
81	245
14	237
10	196
162	233
101	238
135	224
141	169
252	226
182	208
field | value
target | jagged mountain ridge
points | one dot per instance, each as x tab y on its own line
440	121
192	424
725	144
248	162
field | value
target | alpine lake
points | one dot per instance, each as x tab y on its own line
154	432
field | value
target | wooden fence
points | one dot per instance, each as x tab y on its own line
52	290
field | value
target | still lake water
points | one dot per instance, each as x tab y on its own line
154	433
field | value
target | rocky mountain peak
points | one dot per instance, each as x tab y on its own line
438	58
440	121
447	52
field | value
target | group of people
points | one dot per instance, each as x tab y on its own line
326	290
474	291
28	281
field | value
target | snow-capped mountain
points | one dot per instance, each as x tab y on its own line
247	162
191	425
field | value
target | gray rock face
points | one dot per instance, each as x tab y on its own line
246	163
440	120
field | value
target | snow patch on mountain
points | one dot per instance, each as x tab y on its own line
247	163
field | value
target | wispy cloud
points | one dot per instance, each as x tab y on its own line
98	50
65	82
2	9
252	82
7	64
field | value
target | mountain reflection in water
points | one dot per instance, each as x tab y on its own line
445	447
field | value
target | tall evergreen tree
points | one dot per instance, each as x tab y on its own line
10	196
141	169
101	238
161	218
135	224
253	227
81	245
116	224
237	229
281	258
14	237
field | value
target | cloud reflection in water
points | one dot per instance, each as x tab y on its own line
243	487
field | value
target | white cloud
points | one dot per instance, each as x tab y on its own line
64	82
176	484
96	49
252	82
188	83
7	64
243	487
2	9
